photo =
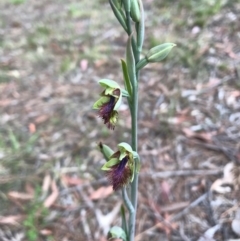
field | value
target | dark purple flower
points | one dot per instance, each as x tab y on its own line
107	106
120	166
120	174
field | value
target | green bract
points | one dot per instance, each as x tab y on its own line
127	81
130	61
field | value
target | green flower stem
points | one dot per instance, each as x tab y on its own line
134	185
134	117
131	210
127	201
134	124
124	221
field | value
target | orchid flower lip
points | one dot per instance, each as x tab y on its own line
119	175
108	114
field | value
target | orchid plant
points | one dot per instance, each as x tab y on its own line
122	166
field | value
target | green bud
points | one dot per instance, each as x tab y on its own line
135	11
117	3
118	13
127	5
105	150
158	53
117	233
140	28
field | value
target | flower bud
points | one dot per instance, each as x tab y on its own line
117	3
135	11
118	12
116	233
158	53
140	27
127	5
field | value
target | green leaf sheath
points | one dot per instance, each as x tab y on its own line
127	81
130	61
140	28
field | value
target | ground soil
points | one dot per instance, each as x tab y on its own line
52	53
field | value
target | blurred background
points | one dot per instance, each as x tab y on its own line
52	53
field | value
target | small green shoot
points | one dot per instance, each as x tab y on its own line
36	213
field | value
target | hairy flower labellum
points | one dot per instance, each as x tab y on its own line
120	174
109	102
108	114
